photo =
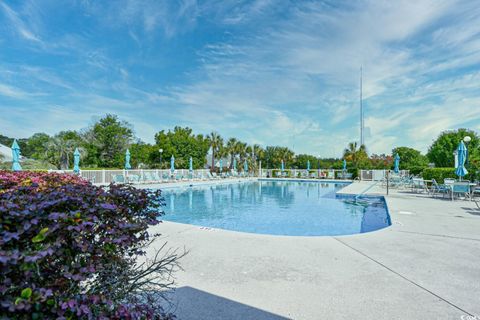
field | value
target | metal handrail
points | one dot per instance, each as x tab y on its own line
369	187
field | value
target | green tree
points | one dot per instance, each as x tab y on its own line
381	161
410	158
106	142
273	156
7	141
143	155
241	150
257	154
216	145
182	144
230	148
60	148
36	146
356	154
301	161
441	150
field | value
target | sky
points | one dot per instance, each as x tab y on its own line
272	72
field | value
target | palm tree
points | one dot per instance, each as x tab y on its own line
241	151
61	149
231	149
216	143
285	154
257	154
355	153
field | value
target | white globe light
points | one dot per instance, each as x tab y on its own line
467	139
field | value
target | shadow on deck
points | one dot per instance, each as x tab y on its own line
194	304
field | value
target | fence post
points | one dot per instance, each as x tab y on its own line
387	181
103	176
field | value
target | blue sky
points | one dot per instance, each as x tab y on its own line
271	72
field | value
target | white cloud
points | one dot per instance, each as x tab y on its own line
18	24
12	92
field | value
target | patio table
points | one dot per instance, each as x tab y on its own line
472	185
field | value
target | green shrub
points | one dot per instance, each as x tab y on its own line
439	174
69	250
416	170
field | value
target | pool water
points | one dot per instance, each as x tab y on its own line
276	207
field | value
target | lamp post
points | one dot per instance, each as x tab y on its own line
161	153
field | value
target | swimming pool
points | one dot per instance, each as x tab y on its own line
291	208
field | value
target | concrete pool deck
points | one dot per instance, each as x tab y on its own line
425	266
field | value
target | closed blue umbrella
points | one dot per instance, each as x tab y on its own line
283	166
396	169
76	161
127	160
16	156
190	164
172	164
245	166
234	164
461	171
308	165
220	165
344	165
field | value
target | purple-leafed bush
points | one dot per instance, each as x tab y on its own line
68	249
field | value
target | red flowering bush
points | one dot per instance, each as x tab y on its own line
69	250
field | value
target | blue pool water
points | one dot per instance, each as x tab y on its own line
276	207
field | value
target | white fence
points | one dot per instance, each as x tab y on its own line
106	176
378	175
303	173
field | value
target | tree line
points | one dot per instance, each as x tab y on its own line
103	145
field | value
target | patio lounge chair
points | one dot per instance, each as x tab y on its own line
133	178
156	177
418	184
148	177
439	189
476	202
179	177
210	176
165	177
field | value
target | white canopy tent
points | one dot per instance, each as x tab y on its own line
6	153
